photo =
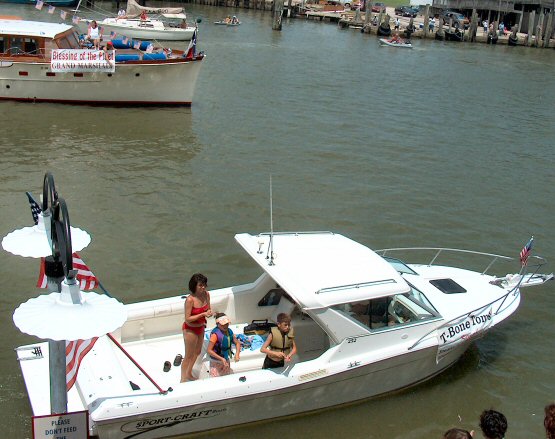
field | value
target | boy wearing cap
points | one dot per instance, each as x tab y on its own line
280	345
219	347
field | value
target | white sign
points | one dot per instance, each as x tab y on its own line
467	328
73	425
82	60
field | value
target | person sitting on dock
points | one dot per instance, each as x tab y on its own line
280	345
93	34
219	347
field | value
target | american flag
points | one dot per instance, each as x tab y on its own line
525	252
149	48
75	19
35	207
125	40
63	15
51	9
137	44
86	278
113	35
39	4
192	49
75	351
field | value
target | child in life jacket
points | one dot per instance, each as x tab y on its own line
280	345
219	347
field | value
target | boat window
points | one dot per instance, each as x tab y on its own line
16	46
390	311
399	265
273	297
30	46
447	286
2	45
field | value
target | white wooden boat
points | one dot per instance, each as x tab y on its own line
149	29
30	73
365	325
389	42
146	28
227	23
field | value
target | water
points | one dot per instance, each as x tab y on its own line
443	145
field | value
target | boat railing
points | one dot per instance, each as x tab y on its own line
534	262
474	312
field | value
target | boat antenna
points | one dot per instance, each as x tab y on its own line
271	225
77	8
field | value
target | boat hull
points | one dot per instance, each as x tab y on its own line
141	83
385	42
146	33
352	385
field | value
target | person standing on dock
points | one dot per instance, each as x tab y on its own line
432	24
485	24
397	23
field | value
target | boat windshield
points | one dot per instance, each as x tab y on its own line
399	265
384	312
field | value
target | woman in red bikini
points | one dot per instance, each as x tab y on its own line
197	308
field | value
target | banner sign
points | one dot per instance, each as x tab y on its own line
73	425
82	60
467	328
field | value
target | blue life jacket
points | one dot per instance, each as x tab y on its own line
223	345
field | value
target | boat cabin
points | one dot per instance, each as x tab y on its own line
19	38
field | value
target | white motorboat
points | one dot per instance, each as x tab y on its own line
365	323
393	43
137	24
45	62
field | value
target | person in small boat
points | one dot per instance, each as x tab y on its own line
234	20
227	20
143	16
183	24
493	424
197	309
219	347
396	39
122	14
93	34
549	421
280	345
458	433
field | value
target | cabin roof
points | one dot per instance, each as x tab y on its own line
321	269
32	28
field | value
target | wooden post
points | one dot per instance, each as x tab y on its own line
539	31
426	20
529	35
473	26
278	14
548	29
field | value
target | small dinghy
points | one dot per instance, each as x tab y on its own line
228	22
394	43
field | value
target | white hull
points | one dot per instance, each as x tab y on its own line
131	29
170	82
385	42
349	386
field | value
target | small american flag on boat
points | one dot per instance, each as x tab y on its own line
39	4
525	252
137	44
63	15
51	9
125	40
113	35
149	48
75	19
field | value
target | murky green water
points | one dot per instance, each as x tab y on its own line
444	145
